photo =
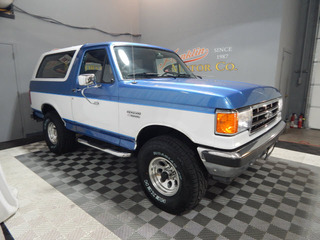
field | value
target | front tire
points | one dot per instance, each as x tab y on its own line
58	138
170	174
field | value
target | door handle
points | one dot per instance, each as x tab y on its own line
82	93
76	90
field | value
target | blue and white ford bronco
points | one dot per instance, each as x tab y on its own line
128	98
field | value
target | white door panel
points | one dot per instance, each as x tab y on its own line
103	115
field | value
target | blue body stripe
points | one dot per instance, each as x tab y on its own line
101	134
147	103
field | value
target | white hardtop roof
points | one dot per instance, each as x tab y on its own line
73	48
116	43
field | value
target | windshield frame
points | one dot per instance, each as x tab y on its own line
174	54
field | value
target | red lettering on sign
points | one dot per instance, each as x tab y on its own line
194	54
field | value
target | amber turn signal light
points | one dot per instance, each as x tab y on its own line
227	123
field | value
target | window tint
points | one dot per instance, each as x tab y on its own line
96	62
55	65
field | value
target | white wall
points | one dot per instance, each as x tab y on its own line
313	107
289	29
288	51
31	37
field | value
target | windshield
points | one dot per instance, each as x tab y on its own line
143	62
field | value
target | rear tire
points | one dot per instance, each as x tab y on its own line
58	138
170	174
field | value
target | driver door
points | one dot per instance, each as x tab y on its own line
97	116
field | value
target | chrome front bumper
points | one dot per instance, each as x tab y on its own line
230	164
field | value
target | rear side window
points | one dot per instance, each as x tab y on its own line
55	65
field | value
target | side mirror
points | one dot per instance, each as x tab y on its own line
87	79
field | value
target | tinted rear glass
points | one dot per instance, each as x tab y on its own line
55	65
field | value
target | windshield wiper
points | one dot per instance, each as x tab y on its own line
183	75
176	75
144	74
166	74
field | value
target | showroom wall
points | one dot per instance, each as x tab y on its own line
290	20
301	86
290	44
240	38
314	96
28	38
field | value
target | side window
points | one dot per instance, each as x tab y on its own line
55	65
107	76
96	62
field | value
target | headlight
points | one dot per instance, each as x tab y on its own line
230	122
244	120
280	104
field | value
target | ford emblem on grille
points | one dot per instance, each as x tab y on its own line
268	115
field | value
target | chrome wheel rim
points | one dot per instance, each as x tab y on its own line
52	133
164	176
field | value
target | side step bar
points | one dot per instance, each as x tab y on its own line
100	147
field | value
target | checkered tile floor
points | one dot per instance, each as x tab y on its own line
274	199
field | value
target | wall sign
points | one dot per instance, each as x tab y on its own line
222	62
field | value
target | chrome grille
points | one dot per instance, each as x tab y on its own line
263	114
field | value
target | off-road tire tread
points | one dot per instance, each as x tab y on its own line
190	161
67	138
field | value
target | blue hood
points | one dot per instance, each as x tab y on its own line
204	95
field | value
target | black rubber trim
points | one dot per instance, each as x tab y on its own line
247	152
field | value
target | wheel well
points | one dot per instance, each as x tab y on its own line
48	108
153	131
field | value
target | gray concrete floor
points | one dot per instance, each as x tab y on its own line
302	136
